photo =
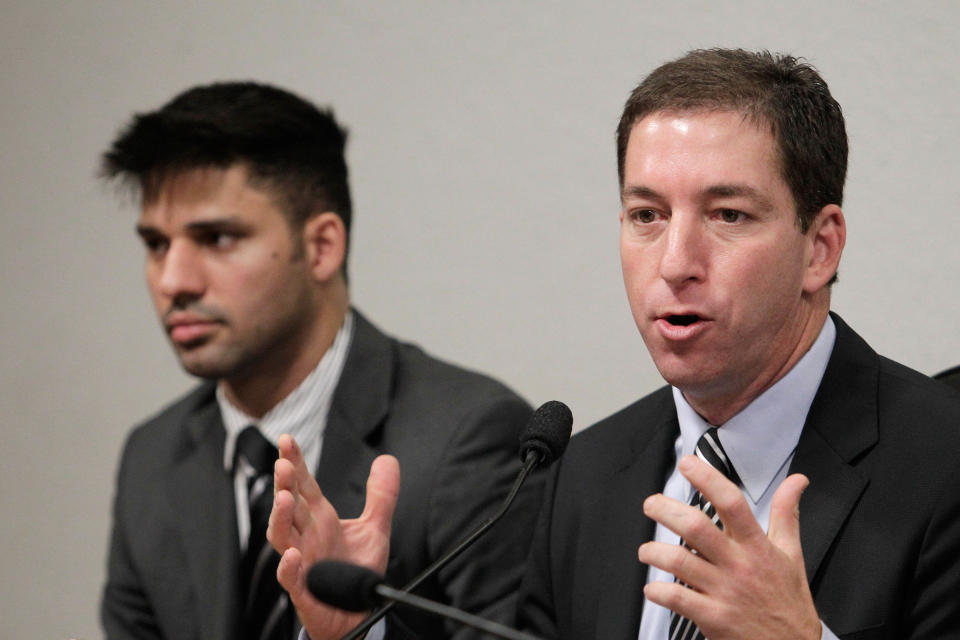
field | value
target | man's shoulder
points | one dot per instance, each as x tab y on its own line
162	429
419	375
886	406
900	389
621	434
923	389
924	410
417	367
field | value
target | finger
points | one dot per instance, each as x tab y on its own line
289	573
280	530
692	525
284	476
784	529
383	489
300	480
676	597
682	563
306	514
726	497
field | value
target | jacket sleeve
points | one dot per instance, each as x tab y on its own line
125	610
935	608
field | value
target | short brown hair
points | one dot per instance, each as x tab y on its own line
778	90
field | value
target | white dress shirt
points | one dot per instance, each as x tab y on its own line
302	414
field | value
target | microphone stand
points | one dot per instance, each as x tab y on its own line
529	463
415	601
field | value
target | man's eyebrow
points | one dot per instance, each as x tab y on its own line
228	222
741	191
639	191
715	191
145	230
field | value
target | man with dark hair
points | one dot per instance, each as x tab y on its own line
245	219
732	166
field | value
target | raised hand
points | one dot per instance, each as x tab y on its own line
742	583
304	528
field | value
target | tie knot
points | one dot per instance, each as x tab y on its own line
711	451
256	450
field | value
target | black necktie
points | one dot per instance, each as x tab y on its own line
267	614
710	451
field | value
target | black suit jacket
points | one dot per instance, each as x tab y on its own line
879	523
172	570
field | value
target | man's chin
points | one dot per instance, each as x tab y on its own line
207	372
687	375
203	365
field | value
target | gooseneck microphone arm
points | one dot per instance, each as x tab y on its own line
489	626
529	463
543	440
355	588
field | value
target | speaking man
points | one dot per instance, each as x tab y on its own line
732	166
245	220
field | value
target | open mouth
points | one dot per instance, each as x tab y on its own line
682	320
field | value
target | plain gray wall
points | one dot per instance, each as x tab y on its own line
484	177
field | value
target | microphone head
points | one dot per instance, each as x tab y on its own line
344	585
547	432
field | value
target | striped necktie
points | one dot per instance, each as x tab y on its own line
267	614
710	451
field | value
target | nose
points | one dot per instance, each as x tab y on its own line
684	254
179	274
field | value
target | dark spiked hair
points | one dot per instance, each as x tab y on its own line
290	147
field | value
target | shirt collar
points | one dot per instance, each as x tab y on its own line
302	413
761	438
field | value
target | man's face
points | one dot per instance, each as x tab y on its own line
712	256
226	274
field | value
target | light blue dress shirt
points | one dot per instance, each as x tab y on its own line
760	442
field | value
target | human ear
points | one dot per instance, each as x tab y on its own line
826	237
325	245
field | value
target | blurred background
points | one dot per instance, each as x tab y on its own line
484	179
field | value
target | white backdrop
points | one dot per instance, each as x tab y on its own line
484	177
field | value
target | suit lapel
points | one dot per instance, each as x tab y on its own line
357	413
625	527
201	496
841	425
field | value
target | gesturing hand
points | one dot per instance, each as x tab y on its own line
304	528
742	583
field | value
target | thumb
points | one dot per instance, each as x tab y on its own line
784	529
383	489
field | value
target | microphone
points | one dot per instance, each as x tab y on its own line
547	433
542	440
354	588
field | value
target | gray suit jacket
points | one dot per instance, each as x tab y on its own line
172	570
879	523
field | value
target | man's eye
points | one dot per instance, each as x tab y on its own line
219	240
731	215
644	216
155	245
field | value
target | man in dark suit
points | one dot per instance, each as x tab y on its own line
731	170
245	219
732	167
